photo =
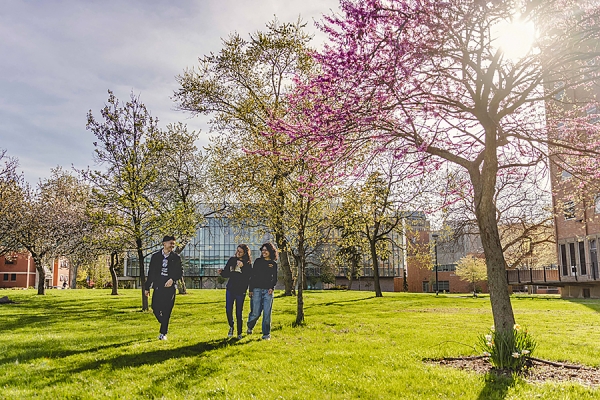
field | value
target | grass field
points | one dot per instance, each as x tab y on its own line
81	344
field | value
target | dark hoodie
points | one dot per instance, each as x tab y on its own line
264	274
238	281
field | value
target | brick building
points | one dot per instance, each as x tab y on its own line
18	271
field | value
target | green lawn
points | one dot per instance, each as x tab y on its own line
87	344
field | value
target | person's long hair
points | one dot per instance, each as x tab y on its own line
273	254
246	257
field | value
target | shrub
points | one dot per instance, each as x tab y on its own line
508	350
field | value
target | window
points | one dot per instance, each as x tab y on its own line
572	257
597	204
582	258
9	260
425	287
569	210
563	259
443	286
447	267
13	277
5	277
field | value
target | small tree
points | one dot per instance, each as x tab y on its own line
473	270
124	193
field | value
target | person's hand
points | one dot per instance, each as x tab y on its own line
147	293
169	283
240	264
250	293
219	271
270	291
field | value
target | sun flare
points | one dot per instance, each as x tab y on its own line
515	38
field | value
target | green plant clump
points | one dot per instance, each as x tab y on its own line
508	349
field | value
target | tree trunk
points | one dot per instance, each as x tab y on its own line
73	275
485	210
114	261
138	243
41	275
353	268
375	269
181	288
284	262
404	280
300	297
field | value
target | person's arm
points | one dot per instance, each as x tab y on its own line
226	272
252	274
178	270
150	277
273	277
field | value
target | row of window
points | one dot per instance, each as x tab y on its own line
441	286
573	255
13	277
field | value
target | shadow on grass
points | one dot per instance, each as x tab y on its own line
54	353
331	303
156	356
496	386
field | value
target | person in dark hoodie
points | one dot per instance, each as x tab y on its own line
262	284
237	269
163	273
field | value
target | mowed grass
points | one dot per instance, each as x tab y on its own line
81	344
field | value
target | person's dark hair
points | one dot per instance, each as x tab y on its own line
246	257
272	250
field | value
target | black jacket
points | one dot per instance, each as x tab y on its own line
156	276
264	274
238	281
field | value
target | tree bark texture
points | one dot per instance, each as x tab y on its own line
41	288
484	186
284	262
140	252
114	261
375	264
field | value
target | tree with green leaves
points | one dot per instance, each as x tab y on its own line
472	269
183	188
124	192
241	88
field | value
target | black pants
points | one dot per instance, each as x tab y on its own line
163	300
238	298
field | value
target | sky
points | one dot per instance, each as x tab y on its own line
58	59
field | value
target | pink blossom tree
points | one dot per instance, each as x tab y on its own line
436	80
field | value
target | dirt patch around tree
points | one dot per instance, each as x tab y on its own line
538	371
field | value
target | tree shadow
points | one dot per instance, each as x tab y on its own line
332	303
39	352
156	356
496	386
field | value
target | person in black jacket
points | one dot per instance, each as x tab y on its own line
237	269
262	284
163	273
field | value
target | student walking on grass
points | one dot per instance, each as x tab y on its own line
237	269
163	273
262	284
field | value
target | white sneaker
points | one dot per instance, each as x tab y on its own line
240	336
162	337
230	334
249	331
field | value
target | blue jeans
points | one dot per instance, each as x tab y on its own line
262	302
238	298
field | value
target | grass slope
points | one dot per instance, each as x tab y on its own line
81	344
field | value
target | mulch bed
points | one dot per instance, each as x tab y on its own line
539	371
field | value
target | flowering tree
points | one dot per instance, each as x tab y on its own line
434	79
48	221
